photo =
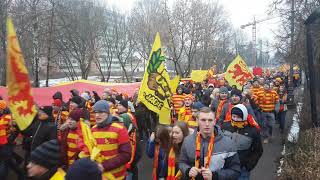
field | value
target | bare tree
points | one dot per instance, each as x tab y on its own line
291	34
79	33
145	20
4	6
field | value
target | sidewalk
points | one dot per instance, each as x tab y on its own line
267	167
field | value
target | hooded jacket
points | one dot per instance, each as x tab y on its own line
248	144
226	109
225	163
247	140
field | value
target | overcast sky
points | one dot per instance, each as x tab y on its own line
240	12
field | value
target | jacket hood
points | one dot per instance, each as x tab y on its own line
243	109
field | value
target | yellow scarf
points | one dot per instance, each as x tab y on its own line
239	124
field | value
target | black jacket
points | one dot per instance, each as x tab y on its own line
38	132
248	144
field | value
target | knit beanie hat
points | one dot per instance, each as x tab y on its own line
57	95
101	106
197	105
223	90
76	114
47	154
76	99
57	102
241	111
236	92
3	104
84	169
124	103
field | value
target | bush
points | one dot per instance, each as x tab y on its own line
303	160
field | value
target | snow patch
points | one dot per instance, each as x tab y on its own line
293	134
295	128
53	82
279	171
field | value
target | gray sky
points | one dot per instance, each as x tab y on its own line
240	12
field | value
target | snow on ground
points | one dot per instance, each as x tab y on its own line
293	133
53	82
295	128
279	171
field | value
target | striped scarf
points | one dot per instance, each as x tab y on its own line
219	108
198	151
155	161
172	166
133	143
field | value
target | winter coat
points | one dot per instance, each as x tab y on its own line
248	144
225	163
38	132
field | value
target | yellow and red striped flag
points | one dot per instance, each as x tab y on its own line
20	98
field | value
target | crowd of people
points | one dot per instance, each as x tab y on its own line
217	132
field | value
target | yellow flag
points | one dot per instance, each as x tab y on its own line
174	83
199	75
88	138
155	91
20	98
238	72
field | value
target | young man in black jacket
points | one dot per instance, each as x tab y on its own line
245	137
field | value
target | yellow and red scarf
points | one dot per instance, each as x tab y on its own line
172	167
198	151
239	124
133	143
219	108
155	161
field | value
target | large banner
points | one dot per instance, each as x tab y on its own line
43	96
